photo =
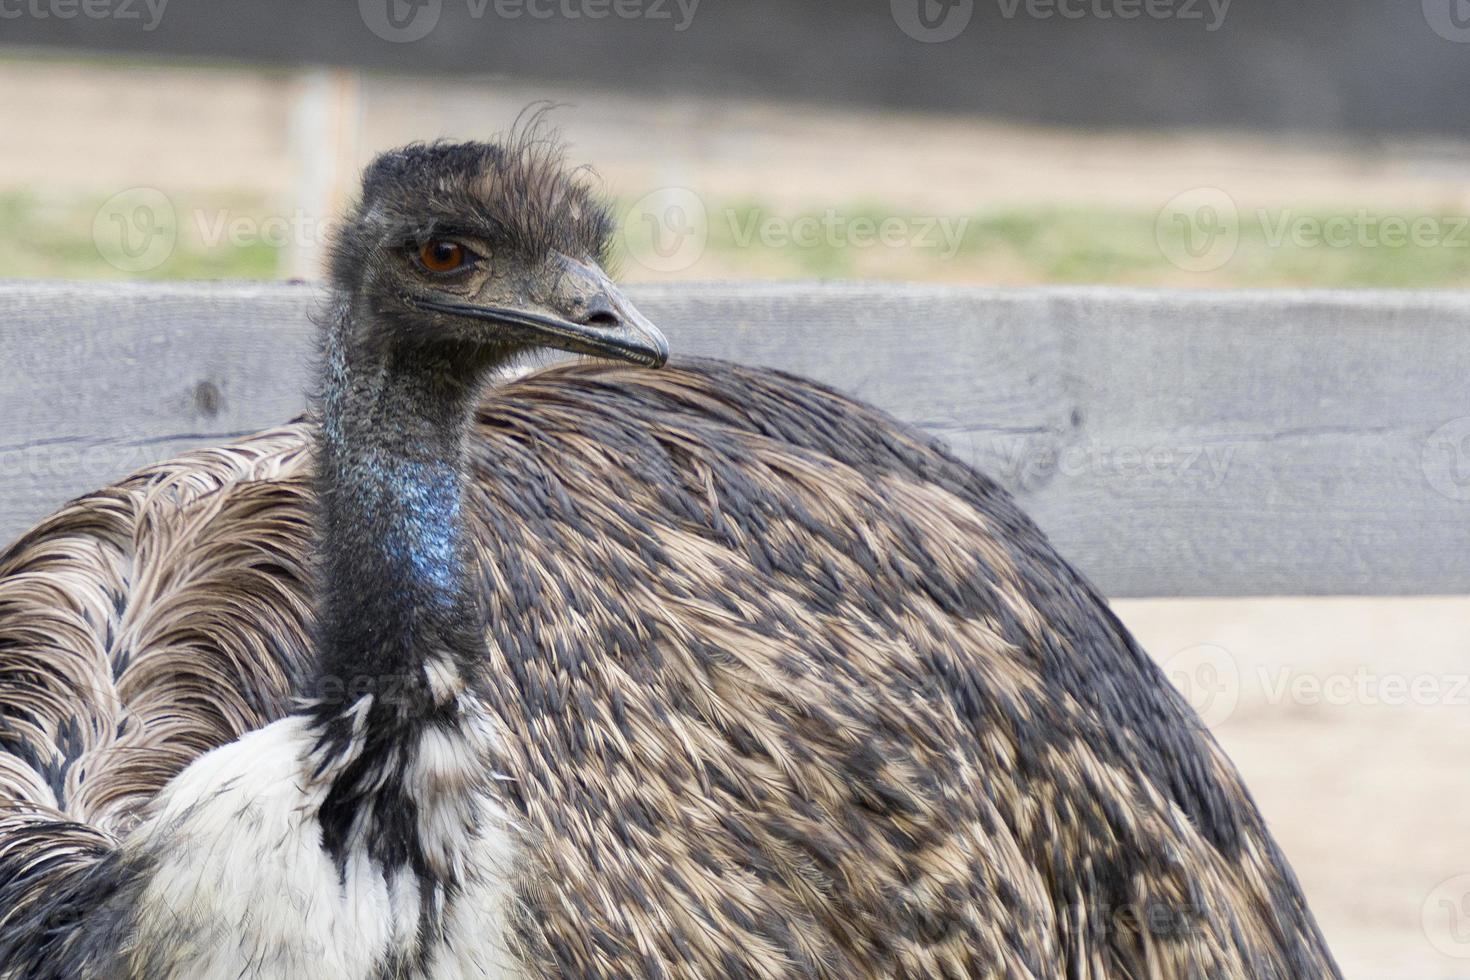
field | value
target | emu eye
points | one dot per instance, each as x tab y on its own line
441	255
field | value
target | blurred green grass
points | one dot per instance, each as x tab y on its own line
49	237
45	237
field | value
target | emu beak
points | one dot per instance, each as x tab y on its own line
586	314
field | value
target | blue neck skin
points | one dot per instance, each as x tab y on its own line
395	589
421	539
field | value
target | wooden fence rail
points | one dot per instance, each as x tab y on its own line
1173	444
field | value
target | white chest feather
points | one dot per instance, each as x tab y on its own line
242	887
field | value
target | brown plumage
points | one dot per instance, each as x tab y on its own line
785	691
699	672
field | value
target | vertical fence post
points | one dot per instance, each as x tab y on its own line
326	128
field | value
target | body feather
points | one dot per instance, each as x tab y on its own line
778	688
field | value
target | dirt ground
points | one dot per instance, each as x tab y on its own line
1347	716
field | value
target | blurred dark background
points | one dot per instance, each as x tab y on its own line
1362	67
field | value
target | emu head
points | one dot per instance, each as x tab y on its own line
479	251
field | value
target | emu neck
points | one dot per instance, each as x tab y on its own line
397	610
400	637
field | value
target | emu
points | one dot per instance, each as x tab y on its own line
703	671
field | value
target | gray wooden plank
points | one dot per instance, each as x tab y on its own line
1250	443
99	380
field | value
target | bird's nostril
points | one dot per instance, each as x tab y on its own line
602	318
